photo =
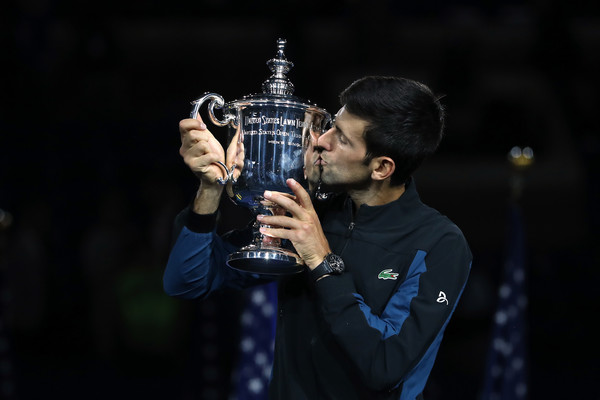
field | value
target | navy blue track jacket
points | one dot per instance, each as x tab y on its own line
372	332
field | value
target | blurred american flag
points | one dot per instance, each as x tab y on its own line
506	369
258	320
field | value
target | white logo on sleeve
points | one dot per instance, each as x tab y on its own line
442	298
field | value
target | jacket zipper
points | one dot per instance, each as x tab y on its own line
347	236
350	229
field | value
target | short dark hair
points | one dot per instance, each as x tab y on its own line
405	120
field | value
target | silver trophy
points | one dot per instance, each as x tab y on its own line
268	134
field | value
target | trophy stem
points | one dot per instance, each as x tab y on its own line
266	255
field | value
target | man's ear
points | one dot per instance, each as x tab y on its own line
382	168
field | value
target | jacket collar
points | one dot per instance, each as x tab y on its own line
401	207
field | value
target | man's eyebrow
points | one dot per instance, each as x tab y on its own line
337	127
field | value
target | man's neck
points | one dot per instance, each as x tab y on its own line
378	194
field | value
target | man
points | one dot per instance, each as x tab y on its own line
384	272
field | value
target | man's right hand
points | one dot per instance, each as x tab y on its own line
201	151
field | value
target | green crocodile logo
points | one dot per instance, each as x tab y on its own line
388	274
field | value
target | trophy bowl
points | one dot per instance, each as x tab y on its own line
268	134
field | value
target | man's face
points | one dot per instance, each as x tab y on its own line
339	154
312	172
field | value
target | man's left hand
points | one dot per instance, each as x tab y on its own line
302	228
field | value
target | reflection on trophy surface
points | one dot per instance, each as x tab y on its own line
268	135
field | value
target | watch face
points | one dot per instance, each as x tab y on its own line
336	263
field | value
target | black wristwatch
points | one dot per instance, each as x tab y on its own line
331	264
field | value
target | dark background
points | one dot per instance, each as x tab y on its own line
89	170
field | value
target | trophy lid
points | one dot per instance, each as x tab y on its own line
279	83
278	89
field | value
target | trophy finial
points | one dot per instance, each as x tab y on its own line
279	83
280	47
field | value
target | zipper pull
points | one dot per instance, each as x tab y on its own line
350	229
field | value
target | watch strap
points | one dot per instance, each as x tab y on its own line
322	269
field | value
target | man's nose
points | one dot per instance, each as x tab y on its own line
324	142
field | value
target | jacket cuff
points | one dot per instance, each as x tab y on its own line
335	290
200	223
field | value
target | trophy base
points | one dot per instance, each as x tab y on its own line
266	261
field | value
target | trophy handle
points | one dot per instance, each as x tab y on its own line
216	100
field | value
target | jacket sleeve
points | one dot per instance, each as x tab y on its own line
196	265
390	348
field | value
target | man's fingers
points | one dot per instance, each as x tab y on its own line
207	166
205	160
191	124
279	233
302	196
197	148
276	221
284	200
199	118
201	155
284	227
193	137
296	204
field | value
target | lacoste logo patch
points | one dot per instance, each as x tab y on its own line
388	274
